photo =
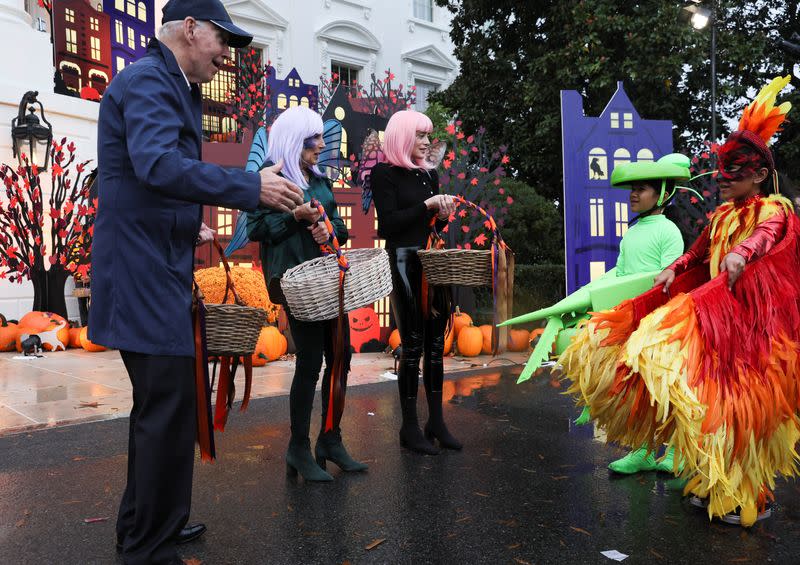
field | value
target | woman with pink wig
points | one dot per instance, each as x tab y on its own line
406	193
288	239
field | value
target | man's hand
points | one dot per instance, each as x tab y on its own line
665	277
306	212
319	232
734	264
278	192
206	235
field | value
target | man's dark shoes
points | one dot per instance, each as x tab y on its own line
190	533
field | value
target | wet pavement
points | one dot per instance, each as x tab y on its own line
528	488
75	386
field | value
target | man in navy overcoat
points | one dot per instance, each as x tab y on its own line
152	185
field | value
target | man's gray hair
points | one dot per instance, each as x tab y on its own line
169	29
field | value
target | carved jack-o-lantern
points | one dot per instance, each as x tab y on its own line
364	327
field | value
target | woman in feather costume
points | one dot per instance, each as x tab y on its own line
707	361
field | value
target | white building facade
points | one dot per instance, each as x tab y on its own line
353	37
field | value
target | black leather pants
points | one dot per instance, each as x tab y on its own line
420	337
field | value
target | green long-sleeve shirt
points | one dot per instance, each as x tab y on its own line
651	244
285	242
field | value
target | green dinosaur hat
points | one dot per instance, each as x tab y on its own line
670	167
673	166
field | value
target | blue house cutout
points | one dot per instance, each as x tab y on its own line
596	215
132	26
291	91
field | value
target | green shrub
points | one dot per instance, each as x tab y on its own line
535	287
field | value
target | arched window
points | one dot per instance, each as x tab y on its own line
304	101
72	75
142	12
621	155
644	155
598	164
292	101
343	146
281	101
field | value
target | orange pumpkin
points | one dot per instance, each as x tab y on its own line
486	330
49	342
364	327
460	320
518	340
23	330
75	338
8	337
88	345
271	345
470	341
394	339
535	335
40	321
448	340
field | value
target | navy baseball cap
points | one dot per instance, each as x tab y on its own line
208	10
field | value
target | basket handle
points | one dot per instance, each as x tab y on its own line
436	240
229	286
332	246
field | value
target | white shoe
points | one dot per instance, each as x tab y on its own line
734	518
698	502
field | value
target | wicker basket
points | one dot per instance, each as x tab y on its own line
463	267
232	329
311	289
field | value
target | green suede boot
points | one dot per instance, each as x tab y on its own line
584	418
299	459
330	448
666	465
634	462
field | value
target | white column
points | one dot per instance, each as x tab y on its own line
13	11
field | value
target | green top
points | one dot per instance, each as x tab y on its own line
285	242
651	244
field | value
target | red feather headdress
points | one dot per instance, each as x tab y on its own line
747	147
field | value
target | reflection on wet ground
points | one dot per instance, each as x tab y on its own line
529	487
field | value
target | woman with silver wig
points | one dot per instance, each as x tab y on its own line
286	240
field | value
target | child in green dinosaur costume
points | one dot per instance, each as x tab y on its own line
651	244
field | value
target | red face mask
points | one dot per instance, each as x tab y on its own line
737	163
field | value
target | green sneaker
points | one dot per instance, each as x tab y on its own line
584	418
634	462
667	463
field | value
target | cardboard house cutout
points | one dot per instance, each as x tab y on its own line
596	215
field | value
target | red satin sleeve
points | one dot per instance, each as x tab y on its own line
697	253
764	237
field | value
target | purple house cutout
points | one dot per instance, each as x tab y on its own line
132	26
596	215
291	91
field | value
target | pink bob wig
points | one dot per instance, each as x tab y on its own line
400	136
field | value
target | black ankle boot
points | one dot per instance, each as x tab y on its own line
410	435
330	448
299	459
436	428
